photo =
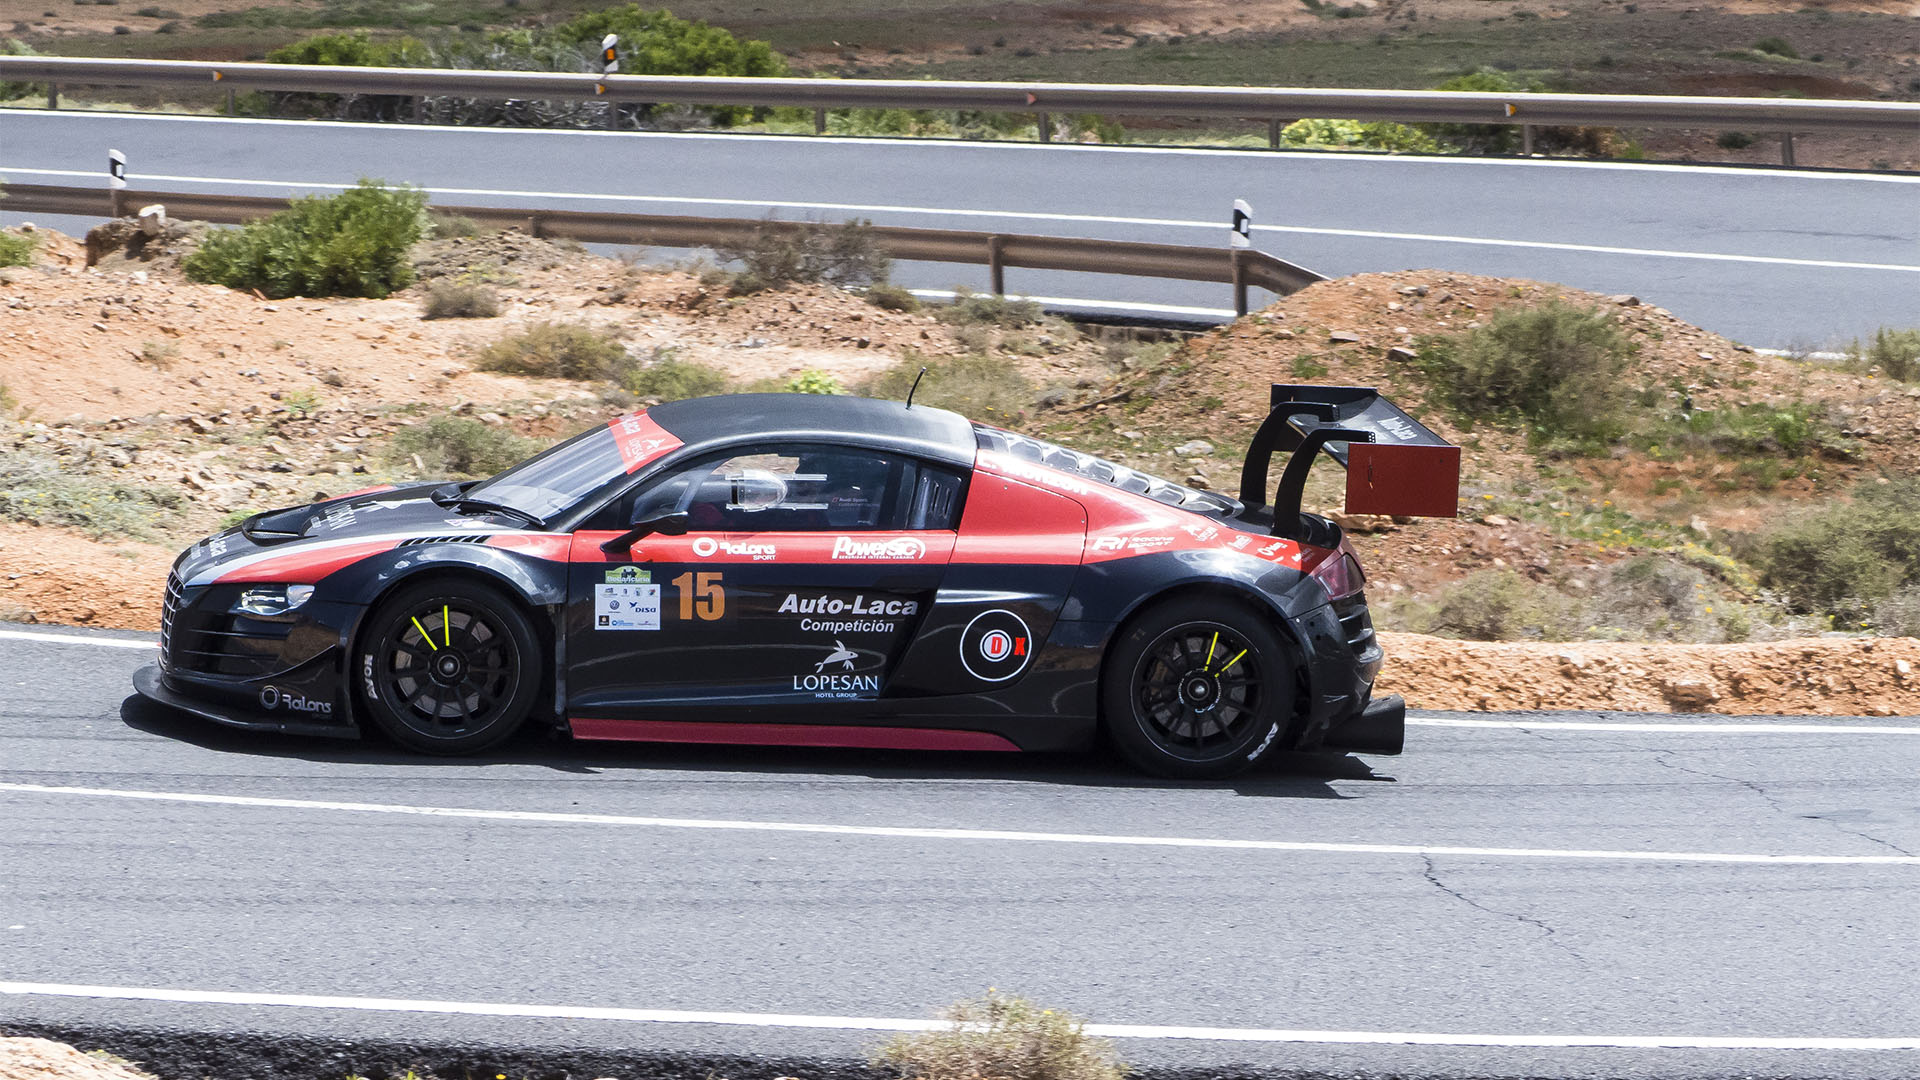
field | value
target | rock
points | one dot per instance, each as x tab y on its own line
1688	695
200	424
1343	337
1624	300
1053	399
1284	334
1395	305
1401	354
1197	481
1498	521
1571	663
1902	669
1413	290
1194	448
153	219
1132	436
1698	525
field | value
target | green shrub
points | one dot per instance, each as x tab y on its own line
1842	558
1494	605
1000	1037
355	49
1777	46
1734	140
1793	430
980	387
658	43
442	226
459	300
35	489
892	298
456	446
355	243
16	249
1362	135
986	309
671	379
1508	138
1895	352
1899	614
11	90
1554	366
813	382
778	254
557	351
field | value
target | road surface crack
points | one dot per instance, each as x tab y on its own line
1661	757
1551	938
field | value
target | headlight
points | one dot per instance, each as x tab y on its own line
272	599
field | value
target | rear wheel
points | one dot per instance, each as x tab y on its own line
449	667
1198	689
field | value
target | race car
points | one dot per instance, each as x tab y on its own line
793	569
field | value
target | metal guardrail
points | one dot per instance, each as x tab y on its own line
1275	105
1240	267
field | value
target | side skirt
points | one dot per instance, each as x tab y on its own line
835	735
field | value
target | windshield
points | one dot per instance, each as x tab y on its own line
554	481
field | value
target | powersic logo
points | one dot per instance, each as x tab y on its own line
996	646
898	548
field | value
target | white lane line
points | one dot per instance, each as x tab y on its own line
888	1023
1029	215
76	639
1692	729
891	145
918	833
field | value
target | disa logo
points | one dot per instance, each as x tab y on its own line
902	548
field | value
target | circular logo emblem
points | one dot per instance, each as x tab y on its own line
996	646
269	697
705	546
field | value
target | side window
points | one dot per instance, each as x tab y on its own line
801	488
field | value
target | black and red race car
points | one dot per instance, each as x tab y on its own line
821	571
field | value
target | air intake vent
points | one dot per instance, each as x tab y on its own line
464	538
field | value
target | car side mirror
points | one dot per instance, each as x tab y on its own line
672	523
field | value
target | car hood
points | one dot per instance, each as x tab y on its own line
378	515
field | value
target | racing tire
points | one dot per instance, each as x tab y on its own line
1198	689
449	667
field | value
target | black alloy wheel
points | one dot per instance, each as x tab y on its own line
449	668
1198	689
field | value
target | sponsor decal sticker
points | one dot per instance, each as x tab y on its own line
1135	544
996	646
626	607
832	676
629	575
892	549
760	550
273	698
1201	531
640	440
795	604
1241	541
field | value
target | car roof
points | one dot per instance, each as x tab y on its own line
928	432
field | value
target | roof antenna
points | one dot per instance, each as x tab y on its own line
915	386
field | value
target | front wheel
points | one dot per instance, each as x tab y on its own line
449	667
1198	689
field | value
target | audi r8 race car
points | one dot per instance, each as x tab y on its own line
808	570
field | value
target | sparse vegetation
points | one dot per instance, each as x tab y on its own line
892	298
1001	1036
813	382
1843	558
553	350
16	249
160	354
351	244
979	387
1359	135
1777	46
1896	353
1553	366
1734	140
1792	430
668	378
37	490
970	308
459	299
456	446
778	254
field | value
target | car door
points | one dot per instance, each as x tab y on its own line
802	576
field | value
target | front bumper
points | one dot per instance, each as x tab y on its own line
154	685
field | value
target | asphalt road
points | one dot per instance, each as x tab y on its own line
1775	258
1539	925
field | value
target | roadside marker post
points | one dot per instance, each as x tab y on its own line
1240	241
610	65
116	177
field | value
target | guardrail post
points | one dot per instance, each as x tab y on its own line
1046	127
996	269
53	95
419	108
533	225
1273	134
1238	258
1786	148
1526	140
820	121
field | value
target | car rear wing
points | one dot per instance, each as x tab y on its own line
1394	464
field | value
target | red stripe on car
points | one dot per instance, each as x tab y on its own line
306	567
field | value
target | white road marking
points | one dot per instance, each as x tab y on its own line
918	833
1030	215
904	144
887	1023
76	639
1706	728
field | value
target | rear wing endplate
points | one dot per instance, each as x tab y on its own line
1394	464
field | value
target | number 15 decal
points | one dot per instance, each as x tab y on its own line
701	595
